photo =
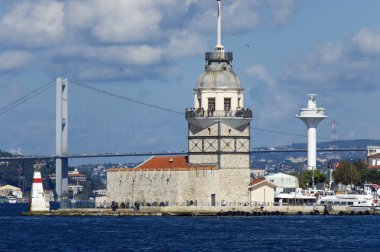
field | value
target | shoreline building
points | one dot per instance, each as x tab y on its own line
217	168
7	190
373	157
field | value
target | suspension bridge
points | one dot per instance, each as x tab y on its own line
129	134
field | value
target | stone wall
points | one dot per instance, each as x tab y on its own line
234	186
178	188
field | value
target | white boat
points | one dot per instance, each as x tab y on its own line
356	202
10	199
300	197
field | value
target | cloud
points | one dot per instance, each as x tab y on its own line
98	36
348	66
259	72
367	41
281	10
275	104
237	16
12	60
31	25
117	40
119	22
181	40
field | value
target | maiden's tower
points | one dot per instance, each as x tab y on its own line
216	170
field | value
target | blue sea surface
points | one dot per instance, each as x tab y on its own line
254	233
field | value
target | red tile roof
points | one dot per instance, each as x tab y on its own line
174	163
375	186
374	167
377	155
257	181
260	181
77	175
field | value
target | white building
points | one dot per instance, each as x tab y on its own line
261	192
284	182
10	190
257	173
75	189
373	157
100	192
76	176
288	191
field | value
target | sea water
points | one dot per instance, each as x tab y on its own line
253	233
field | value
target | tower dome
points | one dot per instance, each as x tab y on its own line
218	88
218	75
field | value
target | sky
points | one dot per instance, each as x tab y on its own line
153	51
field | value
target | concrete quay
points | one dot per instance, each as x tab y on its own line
205	211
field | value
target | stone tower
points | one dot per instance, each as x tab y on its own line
218	124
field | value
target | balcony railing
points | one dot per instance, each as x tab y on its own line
199	113
305	112
219	56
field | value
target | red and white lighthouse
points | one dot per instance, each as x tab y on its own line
38	200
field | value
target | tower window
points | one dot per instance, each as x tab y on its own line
211	104
227	104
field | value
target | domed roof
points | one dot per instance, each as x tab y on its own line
219	75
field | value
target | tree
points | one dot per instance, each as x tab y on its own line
305	179
373	176
347	171
362	168
92	183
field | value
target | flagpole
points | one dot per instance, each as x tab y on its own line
219	46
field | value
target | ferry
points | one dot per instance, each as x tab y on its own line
356	202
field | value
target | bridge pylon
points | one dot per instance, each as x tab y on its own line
61	150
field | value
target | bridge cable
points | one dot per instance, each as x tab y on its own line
285	133
174	111
26	97
127	98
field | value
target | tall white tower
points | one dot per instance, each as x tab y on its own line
312	116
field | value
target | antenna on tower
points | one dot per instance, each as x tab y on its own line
219	47
333	155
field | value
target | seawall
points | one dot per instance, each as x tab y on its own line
205	211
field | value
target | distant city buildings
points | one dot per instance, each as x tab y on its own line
373	157
76	177
75	189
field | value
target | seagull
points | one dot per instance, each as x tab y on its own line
247	45
121	69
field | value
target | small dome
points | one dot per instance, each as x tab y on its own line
219	75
